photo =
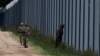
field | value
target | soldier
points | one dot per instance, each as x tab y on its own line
59	34
27	33
20	29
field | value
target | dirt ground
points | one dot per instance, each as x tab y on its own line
11	47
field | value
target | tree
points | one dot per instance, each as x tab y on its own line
3	3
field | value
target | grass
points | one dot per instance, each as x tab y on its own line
45	44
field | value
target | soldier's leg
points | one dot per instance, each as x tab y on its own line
60	41
22	40
20	37
57	43
25	42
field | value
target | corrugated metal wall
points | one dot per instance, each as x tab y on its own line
80	17
1	17
12	15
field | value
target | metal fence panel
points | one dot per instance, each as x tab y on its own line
80	17
12	16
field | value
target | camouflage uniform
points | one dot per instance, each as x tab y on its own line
27	33
27	29
24	31
20	30
59	34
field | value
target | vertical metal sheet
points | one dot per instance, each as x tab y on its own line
80	17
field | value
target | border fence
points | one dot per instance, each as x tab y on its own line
12	14
80	17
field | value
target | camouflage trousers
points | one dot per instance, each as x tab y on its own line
24	40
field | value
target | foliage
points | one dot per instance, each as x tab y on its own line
45	44
3	3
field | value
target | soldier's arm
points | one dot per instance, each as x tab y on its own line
29	30
19	30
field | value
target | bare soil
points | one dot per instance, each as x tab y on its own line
11	47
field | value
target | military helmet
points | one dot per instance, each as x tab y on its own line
21	23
